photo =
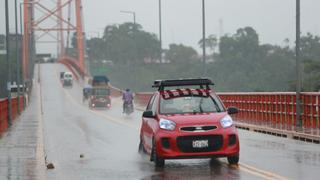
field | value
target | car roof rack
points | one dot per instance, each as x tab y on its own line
161	84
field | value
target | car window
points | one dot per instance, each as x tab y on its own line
149	107
190	104
100	92
154	106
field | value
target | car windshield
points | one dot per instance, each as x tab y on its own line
100	92
190	104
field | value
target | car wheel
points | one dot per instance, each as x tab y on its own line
233	159
158	162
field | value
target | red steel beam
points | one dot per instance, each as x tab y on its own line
25	48
80	35
62	25
53	12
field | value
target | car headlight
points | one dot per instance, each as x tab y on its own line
167	124
226	121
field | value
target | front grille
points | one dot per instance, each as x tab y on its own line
198	128
185	143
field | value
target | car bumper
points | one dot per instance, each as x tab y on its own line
221	143
101	104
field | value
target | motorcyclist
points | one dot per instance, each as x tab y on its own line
86	92
127	98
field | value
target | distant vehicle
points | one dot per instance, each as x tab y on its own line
67	80
100	92
188	123
100	80
14	89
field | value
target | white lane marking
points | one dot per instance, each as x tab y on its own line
260	172
254	171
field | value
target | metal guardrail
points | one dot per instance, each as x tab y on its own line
278	108
273	109
269	113
4	125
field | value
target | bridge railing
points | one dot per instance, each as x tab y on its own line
14	111
276	109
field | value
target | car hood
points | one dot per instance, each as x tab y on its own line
195	119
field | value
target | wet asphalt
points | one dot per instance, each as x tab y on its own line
108	142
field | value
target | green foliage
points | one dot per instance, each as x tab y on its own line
211	42
240	64
181	54
310	52
127	44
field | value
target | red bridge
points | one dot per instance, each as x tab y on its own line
56	129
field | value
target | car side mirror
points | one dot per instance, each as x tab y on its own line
148	114
232	110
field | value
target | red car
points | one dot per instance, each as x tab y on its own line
188	123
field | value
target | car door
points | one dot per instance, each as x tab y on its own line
147	122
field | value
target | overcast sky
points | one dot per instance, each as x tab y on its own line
274	20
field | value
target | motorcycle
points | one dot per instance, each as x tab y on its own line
85	94
128	108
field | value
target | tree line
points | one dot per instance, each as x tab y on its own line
236	62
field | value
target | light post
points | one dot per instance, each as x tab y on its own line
134	40
160	31
17	57
132	13
21	32
298	69
8	63
204	69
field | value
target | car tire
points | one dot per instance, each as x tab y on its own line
158	162
233	159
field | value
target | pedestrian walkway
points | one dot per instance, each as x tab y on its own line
21	147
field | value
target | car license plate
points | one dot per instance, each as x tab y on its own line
200	144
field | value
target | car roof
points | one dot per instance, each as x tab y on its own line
202	82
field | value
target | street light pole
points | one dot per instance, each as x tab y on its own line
8	63
133	13
204	69
17	56
160	31
23	85
298	69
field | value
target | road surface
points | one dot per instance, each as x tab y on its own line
108	141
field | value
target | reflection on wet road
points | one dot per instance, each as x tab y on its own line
108	140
